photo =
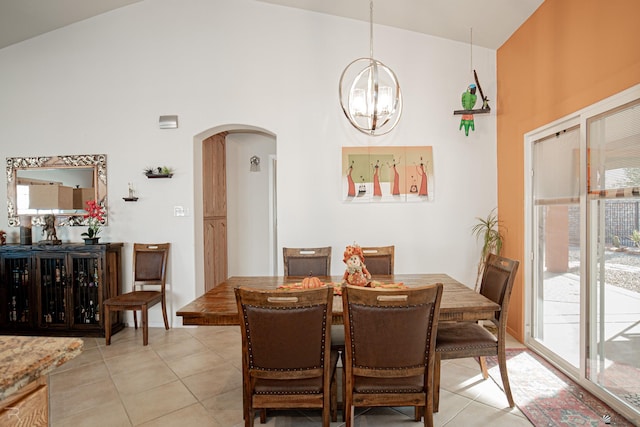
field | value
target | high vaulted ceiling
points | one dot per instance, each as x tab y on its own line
492	21
23	19
487	23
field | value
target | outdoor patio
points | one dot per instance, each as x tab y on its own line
616	358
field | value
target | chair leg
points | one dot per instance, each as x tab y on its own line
334	395
428	416
145	327
427	409
349	411
106	318
502	363
164	314
417	413
344	387
135	319
249	417
263	416
483	367
326	416
247	410
436	382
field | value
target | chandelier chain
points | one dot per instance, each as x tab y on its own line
369	92
471	50
371	29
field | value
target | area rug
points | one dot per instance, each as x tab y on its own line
547	397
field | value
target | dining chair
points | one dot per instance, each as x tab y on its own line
457	340
286	359
379	259
389	347
307	261
149	270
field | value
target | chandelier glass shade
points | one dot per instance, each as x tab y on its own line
370	94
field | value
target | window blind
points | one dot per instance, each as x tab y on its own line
613	153
556	163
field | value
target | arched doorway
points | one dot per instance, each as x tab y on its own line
235	206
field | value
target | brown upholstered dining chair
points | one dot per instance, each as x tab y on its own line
389	347
286	356
149	270
307	261
469	339
379	259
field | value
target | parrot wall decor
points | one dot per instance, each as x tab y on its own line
469	99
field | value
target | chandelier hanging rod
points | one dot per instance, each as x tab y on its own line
371	29
369	92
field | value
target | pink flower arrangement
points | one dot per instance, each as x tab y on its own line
95	214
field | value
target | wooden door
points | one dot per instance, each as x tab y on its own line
214	184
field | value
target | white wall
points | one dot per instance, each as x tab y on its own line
248	204
98	86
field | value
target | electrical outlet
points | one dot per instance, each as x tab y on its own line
179	211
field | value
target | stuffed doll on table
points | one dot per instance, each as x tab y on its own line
356	273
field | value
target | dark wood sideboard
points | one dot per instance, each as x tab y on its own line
58	289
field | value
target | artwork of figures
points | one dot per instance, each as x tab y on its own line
387	174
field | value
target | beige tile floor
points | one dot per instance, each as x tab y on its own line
192	377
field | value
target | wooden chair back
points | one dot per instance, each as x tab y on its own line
286	360
497	283
307	261
150	265
379	259
391	365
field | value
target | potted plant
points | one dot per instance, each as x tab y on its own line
159	172
95	215
488	230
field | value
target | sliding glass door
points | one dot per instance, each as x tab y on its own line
583	221
557	289
613	187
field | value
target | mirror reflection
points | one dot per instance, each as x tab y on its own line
56	191
58	185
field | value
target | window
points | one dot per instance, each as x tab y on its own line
583	235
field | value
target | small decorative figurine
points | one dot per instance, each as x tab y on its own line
49	230
356	273
3	237
132	195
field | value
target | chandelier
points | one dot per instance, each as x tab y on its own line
370	95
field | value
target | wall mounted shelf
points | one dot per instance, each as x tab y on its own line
159	175
476	111
130	199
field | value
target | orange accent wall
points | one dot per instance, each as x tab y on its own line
568	55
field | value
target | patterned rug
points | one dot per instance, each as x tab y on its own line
623	380
547	397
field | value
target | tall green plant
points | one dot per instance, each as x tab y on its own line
635	238
488	230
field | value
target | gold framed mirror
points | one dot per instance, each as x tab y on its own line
58	185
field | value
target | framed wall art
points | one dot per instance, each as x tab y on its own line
387	174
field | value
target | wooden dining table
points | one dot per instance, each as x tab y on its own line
218	305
